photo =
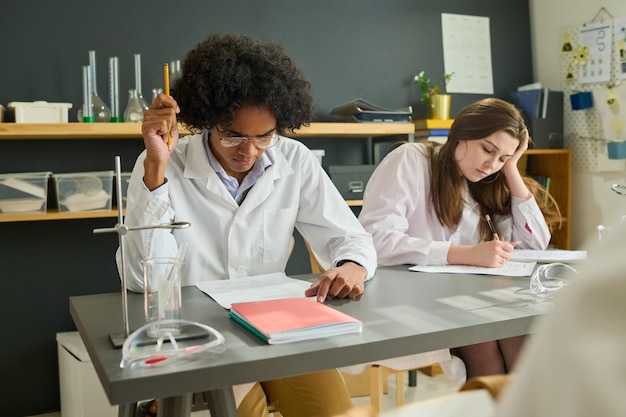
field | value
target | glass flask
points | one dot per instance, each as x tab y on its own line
155	93
134	108
99	110
143	102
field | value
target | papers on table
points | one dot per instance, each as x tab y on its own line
551	255
254	288
510	269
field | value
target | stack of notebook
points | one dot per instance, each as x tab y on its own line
363	111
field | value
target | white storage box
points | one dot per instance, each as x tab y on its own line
125	177
84	191
40	112
24	192
81	392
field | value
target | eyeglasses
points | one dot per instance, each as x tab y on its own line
261	142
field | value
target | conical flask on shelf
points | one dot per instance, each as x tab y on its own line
101	111
155	93
134	108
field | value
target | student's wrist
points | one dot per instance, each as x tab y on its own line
354	264
154	174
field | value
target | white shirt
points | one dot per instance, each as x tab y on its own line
398	214
238	191
228	240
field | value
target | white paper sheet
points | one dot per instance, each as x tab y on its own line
467	53
510	269
551	255
254	288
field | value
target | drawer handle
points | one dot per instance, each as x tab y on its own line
355	186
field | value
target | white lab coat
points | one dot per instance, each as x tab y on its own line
227	240
396	211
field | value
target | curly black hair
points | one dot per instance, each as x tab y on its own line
225	72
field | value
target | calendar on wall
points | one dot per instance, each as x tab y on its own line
595	41
593	66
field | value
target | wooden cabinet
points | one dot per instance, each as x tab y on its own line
103	131
557	165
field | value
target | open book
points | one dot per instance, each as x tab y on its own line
293	319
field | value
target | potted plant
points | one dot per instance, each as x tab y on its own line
434	95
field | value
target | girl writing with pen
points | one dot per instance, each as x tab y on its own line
428	204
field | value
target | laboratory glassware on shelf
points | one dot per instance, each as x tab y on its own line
100	111
142	101
134	108
85	113
114	91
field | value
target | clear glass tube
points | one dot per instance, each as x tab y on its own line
87	114
114	89
142	102
138	73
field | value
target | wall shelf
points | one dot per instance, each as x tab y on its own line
44	131
54	214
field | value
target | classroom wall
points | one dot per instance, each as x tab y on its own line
347	48
593	202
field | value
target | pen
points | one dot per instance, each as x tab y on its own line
166	76
492	227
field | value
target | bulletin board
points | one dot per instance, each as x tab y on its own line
593	61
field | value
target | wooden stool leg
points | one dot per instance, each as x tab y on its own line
376	388
399	388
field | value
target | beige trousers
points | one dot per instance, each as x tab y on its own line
319	394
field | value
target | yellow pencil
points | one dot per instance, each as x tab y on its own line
166	76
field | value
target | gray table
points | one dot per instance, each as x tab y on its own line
403	313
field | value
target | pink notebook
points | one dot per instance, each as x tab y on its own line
293	319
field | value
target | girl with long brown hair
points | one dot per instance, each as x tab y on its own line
428	204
